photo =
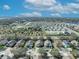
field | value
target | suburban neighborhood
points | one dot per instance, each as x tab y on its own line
39	40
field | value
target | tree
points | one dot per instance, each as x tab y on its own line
74	52
19	52
77	39
54	52
42	51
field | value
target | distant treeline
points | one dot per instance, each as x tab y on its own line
10	20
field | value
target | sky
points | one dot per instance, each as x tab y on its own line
39	8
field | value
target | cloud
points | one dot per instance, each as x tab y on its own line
33	14
52	6
2	18
69	8
41	2
56	15
6	7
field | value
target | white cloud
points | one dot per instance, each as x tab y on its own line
56	15
2	18
75	12
69	8
33	14
6	7
41	2
52	6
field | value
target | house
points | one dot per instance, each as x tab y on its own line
29	44
39	43
48	44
